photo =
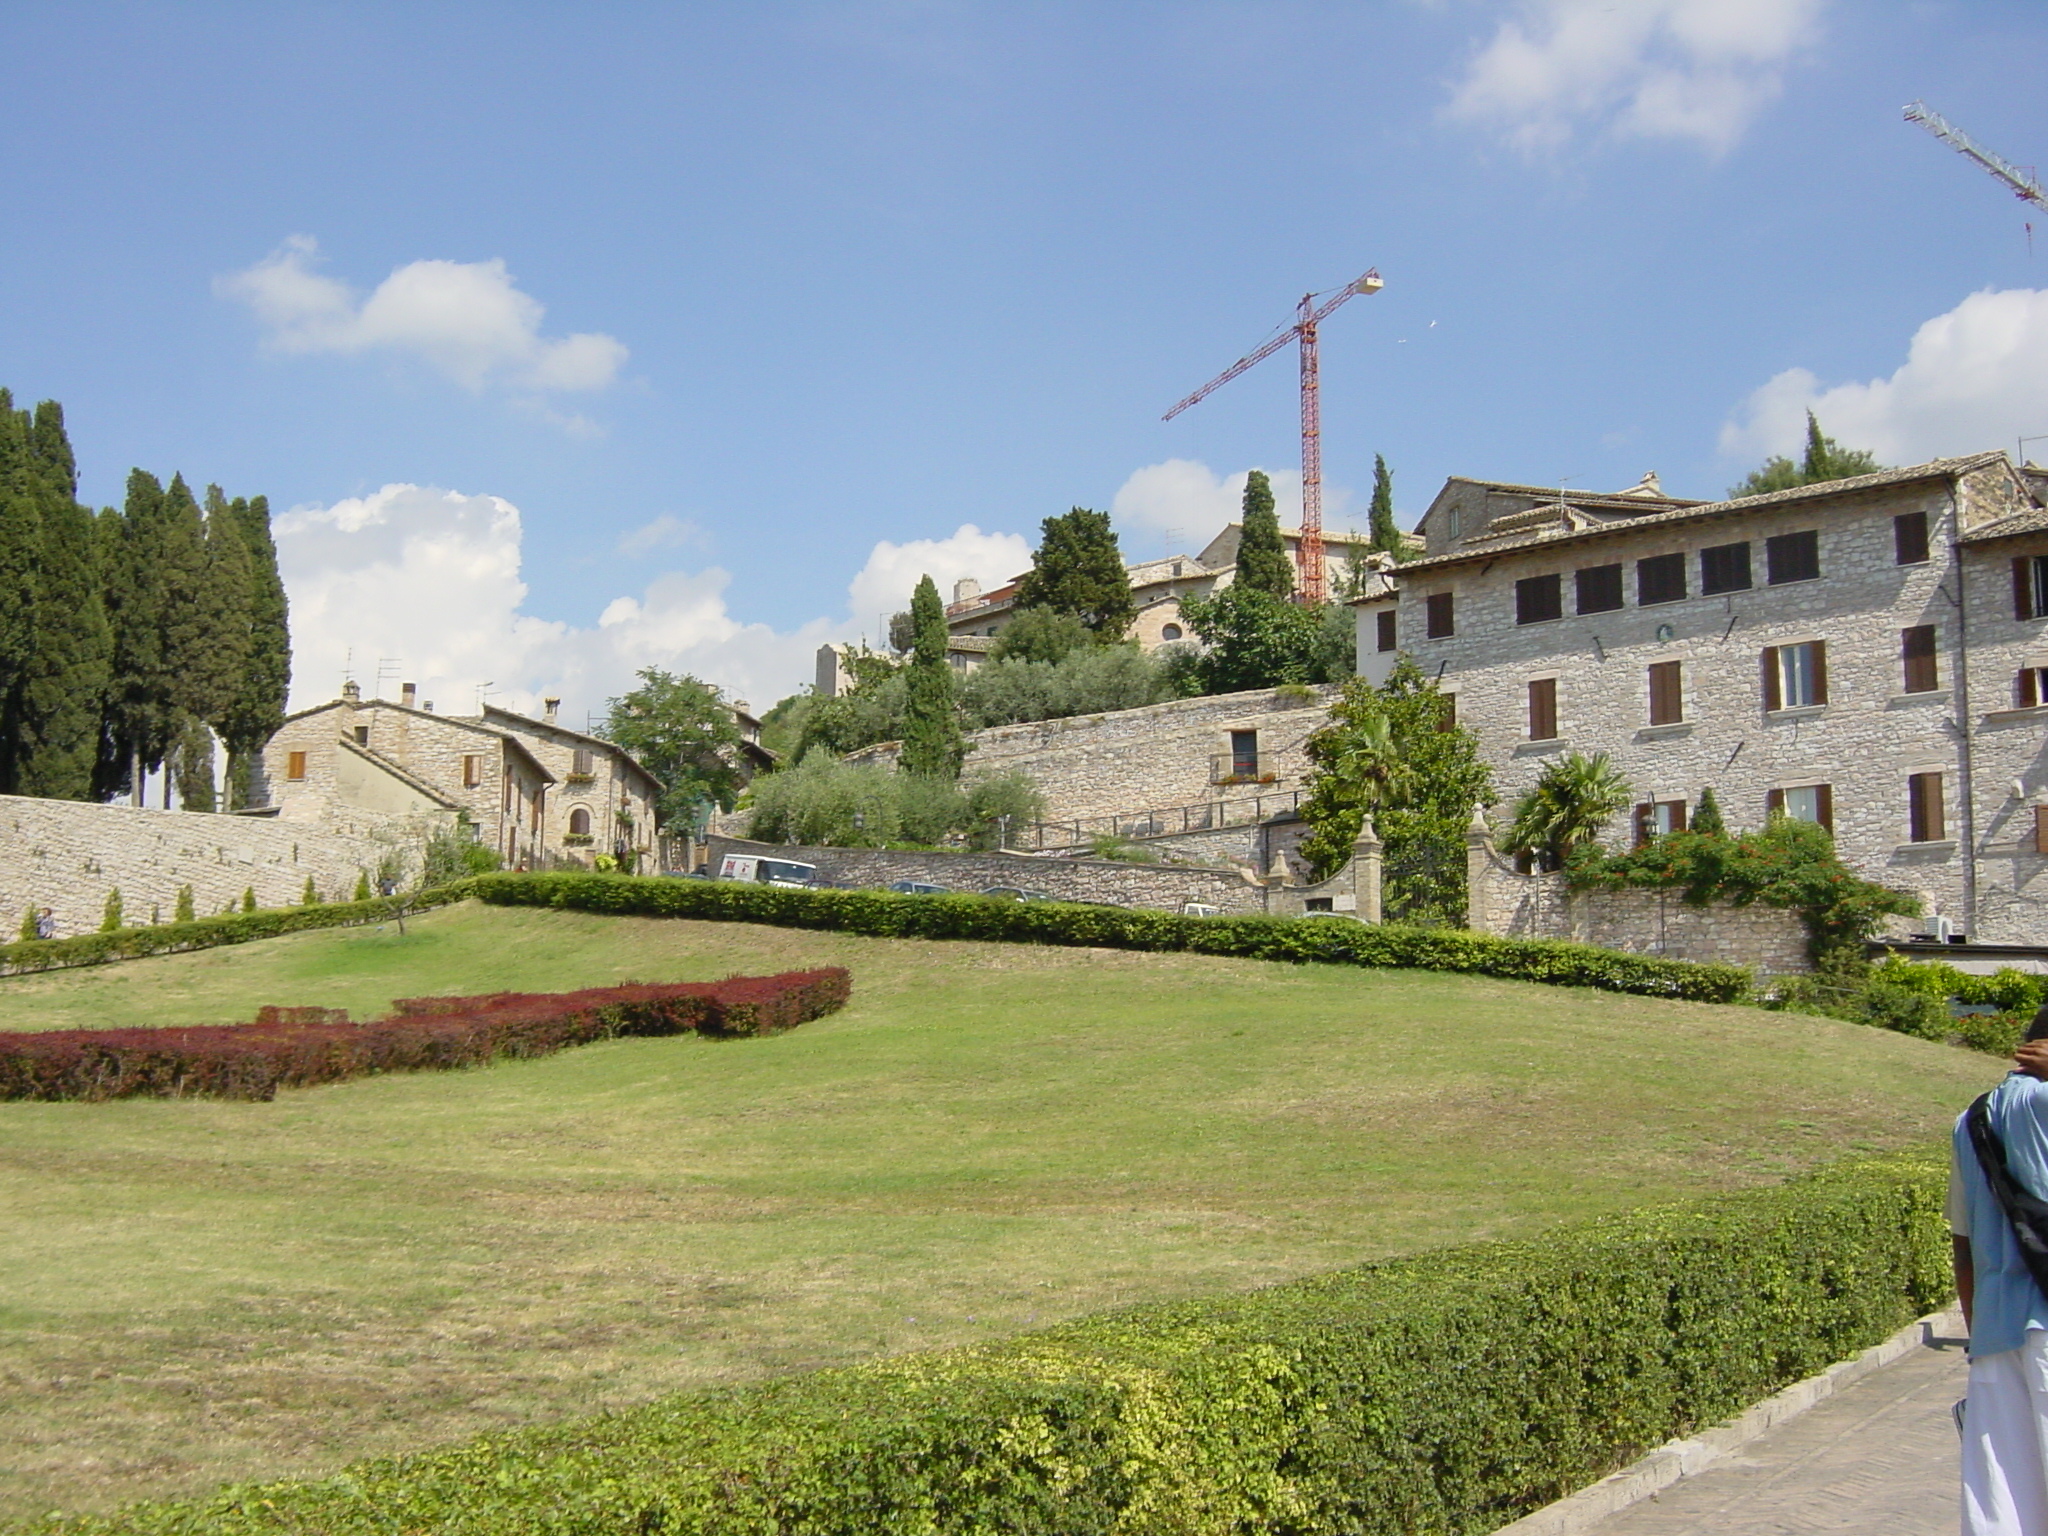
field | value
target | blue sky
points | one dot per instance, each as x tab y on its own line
582	339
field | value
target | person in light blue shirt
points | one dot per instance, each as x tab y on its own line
2005	1417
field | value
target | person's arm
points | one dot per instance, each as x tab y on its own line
1966	1275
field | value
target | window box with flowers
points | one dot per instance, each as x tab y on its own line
579	778
577	840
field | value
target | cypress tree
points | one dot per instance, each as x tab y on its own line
21	538
1262	562
1078	569
1385	534
196	623
931	730
191	765
256	706
140	723
65	685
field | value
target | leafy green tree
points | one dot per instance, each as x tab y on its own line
1262	562
1254	639
782	726
184	912
1001	806
1095	679
1572	800
868	713
21	539
1078	569
1390	752
1706	816
1825	459
824	803
932	745
1041	634
1386	534
683	732
902	632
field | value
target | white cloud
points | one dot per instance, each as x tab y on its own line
664	532
885	583
1187	504
1974	378
433	577
469	320
1684	69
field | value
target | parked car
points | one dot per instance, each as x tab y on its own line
1017	893
1344	917
1199	909
919	888
761	871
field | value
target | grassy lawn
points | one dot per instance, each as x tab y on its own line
989	1137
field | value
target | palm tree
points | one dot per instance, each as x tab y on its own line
1373	772
1573	798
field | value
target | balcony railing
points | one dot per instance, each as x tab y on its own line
1242	768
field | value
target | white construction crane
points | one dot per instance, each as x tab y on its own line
2024	186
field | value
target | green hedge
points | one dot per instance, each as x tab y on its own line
239	928
885	914
1445	1393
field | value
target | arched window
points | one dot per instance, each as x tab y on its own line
1171	632
579	822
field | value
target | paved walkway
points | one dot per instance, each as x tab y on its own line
1878	1458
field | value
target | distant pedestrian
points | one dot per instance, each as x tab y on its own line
46	924
1998	1182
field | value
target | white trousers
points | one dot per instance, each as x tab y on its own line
2005	1442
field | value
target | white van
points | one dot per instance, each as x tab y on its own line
752	867
1199	909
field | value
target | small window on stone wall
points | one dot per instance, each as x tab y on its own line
472	771
1384	626
1170	632
295	765
579	822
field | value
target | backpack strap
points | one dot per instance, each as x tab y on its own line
2027	1213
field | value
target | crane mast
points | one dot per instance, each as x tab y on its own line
1308	316
2024	187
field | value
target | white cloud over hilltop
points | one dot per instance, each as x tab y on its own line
468	320
1682	69
1186	503
433	578
1974	378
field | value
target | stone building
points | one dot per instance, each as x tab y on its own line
1870	654
602	800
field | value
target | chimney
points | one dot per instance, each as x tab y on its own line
548	709
428	706
408	694
352	692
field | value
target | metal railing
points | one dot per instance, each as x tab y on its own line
1208	816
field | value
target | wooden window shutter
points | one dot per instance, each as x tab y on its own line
1773	696
2022	588
1820	671
1824	805
2026	691
1916	652
1667	699
1543	709
2041	829
1677	815
1774	802
295	766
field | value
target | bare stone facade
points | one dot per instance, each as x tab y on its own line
602	802
68	854
1856	653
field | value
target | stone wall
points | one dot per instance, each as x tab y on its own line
66	855
1160	887
1502	900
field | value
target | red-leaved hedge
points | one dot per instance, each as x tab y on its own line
297	1048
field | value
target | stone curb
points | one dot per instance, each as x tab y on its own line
1678	1459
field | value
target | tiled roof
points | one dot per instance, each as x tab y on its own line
2035	521
399	771
1702	511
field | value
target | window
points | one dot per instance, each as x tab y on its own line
1173	632
1796	676
1792	557
1538	599
1244	753
1667	703
2030	687
1916	654
1599	588
1660	579
1923	808
582	761
1909	538
1725	568
1384	621
1448	719
295	765
1804	802
2030	586
2041	829
579	822
472	772
1543	709
1441	619
1657	818
362	735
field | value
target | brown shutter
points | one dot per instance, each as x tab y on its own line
2041	829
1773	699
1677	815
1774	802
1824	796
1667	701
1916	651
2022	589
1820	671
1643	823
2025	691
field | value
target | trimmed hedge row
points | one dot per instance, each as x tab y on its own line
887	915
28	955
1447	1393
287	1049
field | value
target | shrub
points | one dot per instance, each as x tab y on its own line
311	896
183	911
301	1047
362	891
884	914
1446	1393
248	898
27	931
110	914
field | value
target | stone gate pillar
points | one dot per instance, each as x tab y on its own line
1479	873
1366	870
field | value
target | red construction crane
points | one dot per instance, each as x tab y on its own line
1309	315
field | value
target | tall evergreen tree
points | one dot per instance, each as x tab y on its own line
139	724
1078	569
256	708
1825	459
1385	534
1262	562
64	686
21	537
932	746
